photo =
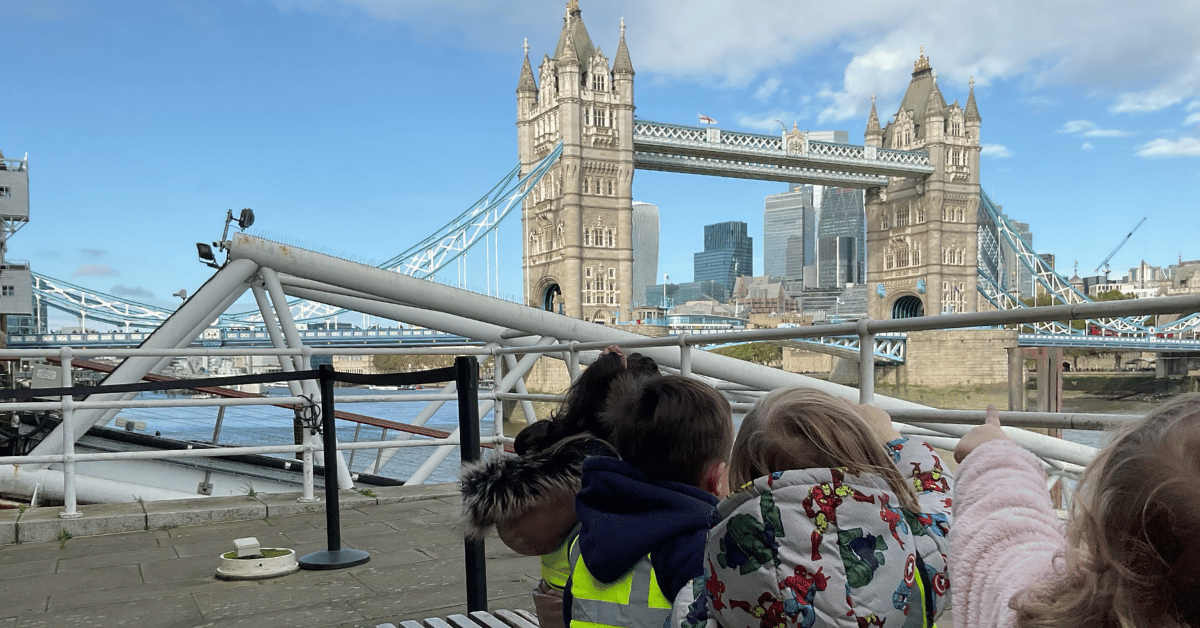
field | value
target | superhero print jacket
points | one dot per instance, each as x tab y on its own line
824	547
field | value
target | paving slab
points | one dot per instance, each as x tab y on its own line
45	524
400	494
149	554
168	612
8	525
22	569
302	589
149	592
210	510
416	570
336	614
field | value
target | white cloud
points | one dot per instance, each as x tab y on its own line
768	88
770	122
1192	119
1086	128
1145	102
1182	147
996	150
1071	44
1087	146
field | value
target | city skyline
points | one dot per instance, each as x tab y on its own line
337	120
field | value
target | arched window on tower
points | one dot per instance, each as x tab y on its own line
585	186
610	239
587	241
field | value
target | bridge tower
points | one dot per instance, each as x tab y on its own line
578	223
922	240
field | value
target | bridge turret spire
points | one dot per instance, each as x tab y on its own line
581	50
526	84
874	134
972	112
621	63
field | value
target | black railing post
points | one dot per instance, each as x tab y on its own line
333	557
466	375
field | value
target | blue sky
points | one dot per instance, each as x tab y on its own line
357	127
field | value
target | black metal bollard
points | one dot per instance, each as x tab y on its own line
333	557
466	371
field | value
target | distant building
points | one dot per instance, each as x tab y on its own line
645	250
16	280
672	294
789	232
841	237
728	252
759	295
1019	278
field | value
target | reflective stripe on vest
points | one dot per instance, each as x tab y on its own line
556	566
924	592
634	601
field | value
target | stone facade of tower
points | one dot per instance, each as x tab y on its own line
922	240
578	222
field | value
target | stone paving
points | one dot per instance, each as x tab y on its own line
154	564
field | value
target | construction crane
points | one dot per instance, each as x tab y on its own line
1104	264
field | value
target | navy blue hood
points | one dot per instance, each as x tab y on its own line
626	515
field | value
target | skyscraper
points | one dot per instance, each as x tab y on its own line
841	237
728	253
645	249
789	232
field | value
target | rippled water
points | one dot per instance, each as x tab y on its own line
269	425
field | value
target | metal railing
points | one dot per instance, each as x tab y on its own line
941	428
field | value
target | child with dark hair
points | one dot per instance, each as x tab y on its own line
644	517
530	498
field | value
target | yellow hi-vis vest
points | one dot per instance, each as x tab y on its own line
556	566
634	601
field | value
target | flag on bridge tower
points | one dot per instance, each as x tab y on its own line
705	119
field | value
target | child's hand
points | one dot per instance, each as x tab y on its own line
878	419
990	430
617	350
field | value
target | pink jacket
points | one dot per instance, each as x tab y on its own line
1005	535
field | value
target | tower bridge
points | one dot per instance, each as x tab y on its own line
920	172
935	242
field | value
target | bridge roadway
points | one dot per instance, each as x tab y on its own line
890	348
250	338
789	157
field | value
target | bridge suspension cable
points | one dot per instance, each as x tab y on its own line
422	260
996	233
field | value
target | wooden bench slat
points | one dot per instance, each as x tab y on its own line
411	624
487	620
436	622
528	616
461	621
385	626
514	620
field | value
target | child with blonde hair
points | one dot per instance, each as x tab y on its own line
1130	555
838	521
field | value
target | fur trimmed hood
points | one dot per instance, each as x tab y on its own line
501	490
